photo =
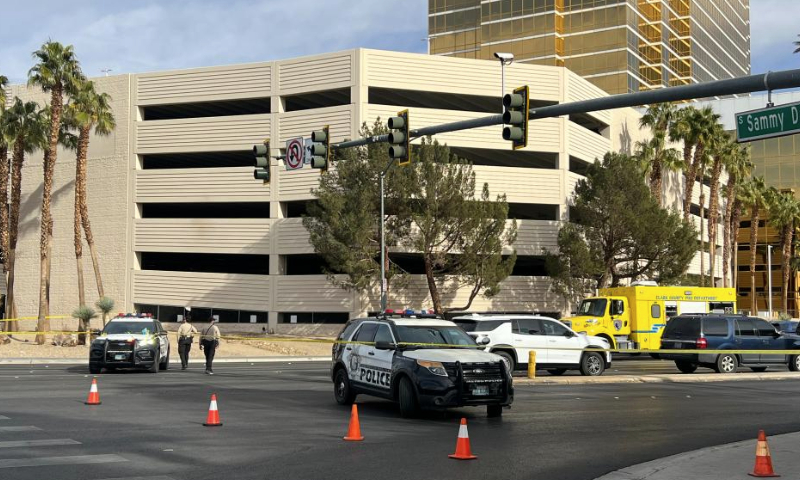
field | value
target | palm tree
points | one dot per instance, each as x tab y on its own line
57	72
721	149
701	172
89	109
655	161
658	118
784	214
4	172
681	131
754	195
738	166
695	128
25	128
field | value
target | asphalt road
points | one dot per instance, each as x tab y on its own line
280	421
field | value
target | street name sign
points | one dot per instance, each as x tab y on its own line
768	122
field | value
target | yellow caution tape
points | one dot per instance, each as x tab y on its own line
32	318
444	345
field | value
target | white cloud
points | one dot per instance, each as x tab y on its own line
150	35
773	28
147	35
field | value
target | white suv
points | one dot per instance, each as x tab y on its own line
558	348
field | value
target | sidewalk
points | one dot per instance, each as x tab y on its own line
724	462
657	378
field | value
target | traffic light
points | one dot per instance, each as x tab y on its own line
516	106
399	138
261	154
321	148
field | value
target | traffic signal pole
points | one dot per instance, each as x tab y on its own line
383	236
753	83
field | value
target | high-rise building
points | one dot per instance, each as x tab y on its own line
619	45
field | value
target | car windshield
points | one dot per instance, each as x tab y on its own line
130	328
434	337
595	307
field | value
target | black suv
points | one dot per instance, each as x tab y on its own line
421	363
727	332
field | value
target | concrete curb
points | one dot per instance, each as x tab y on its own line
173	361
660	378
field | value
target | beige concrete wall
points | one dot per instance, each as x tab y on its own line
108	205
359	70
118	183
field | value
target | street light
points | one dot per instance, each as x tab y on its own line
505	59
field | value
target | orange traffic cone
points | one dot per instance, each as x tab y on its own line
94	395
354	431
463	451
213	414
763	466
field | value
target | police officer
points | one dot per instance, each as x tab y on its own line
209	341
185	338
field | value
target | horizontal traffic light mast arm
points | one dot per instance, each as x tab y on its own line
732	86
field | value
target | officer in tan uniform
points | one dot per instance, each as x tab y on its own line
209	341
185	338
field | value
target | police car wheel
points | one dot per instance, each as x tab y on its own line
494	411
154	368
165	364
341	388
407	398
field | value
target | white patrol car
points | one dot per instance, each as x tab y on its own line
422	363
558	348
130	341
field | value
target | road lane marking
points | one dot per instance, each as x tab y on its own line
3	417
19	429
72	460
39	443
159	477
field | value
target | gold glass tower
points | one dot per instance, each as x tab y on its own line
619	45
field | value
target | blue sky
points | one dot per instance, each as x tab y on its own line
147	35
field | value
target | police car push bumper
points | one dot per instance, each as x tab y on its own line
469	381
124	351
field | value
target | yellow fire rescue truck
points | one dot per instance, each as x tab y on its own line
634	317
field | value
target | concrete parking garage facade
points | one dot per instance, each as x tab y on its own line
196	230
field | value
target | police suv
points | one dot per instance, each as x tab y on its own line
130	341
420	362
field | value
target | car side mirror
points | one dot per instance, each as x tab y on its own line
569	334
385	346
777	334
484	341
96	332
